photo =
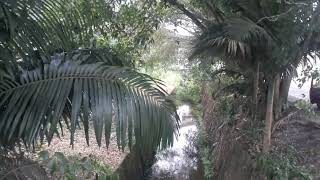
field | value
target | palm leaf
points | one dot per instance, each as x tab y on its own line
104	94
55	26
48	25
235	38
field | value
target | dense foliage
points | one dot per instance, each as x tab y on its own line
54	71
78	63
262	41
256	46
63	167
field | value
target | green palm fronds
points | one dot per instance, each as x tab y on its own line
104	94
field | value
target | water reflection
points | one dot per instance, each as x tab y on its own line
179	161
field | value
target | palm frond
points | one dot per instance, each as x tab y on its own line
93	55
76	92
49	25
55	26
236	38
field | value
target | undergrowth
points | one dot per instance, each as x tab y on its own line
72	167
281	167
205	153
306	106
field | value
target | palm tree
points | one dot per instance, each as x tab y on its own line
254	34
237	41
51	73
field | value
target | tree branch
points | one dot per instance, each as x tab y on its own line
314	20
274	17
308	39
277	16
191	15
218	15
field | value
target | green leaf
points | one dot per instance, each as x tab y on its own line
60	156
52	166
43	155
42	98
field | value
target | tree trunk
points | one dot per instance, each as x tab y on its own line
136	165
269	117
284	91
255	92
277	102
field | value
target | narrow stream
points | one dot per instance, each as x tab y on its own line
179	161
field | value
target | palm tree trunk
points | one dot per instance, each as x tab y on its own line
277	102
284	91
269	117
255	92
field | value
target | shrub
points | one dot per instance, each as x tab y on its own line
281	167
73	167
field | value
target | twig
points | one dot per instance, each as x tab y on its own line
281	121
274	17
296	3
15	174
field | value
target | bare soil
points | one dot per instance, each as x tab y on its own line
111	155
301	133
